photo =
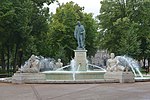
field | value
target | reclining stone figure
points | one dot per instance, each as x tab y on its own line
30	66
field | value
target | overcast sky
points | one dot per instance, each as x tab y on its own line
91	6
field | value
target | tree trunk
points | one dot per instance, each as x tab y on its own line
15	58
144	63
148	64
8	56
3	59
20	54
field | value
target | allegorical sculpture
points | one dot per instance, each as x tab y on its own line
79	34
113	64
31	66
59	64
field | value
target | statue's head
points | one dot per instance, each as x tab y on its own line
32	58
78	22
59	60
112	55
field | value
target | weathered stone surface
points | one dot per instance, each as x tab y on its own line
27	77
81	75
124	77
81	60
30	66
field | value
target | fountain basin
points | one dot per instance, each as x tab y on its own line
69	75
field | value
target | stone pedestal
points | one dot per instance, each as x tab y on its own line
123	77
28	77
80	58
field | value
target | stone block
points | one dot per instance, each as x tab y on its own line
123	77
81	60
28	77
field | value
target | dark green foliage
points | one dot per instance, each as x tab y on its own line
26	28
125	27
62	30
23	28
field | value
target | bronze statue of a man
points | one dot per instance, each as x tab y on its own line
79	34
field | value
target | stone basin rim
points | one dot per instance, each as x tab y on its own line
46	72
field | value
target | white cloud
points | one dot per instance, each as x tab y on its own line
91	6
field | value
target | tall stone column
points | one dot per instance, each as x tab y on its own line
81	60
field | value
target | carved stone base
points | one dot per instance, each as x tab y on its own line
123	77
81	60
27	77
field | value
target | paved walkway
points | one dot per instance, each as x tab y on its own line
109	91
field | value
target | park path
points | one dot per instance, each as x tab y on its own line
108	91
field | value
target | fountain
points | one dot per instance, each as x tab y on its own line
79	65
79	69
40	69
131	63
77	73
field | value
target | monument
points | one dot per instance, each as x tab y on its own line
29	72
79	34
80	53
80	68
116	71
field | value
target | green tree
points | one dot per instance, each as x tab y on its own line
6	17
62	30
91	27
128	42
23	25
22	28
143	20
124	26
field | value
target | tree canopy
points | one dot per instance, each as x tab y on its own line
125	27
62	27
27	27
19	29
